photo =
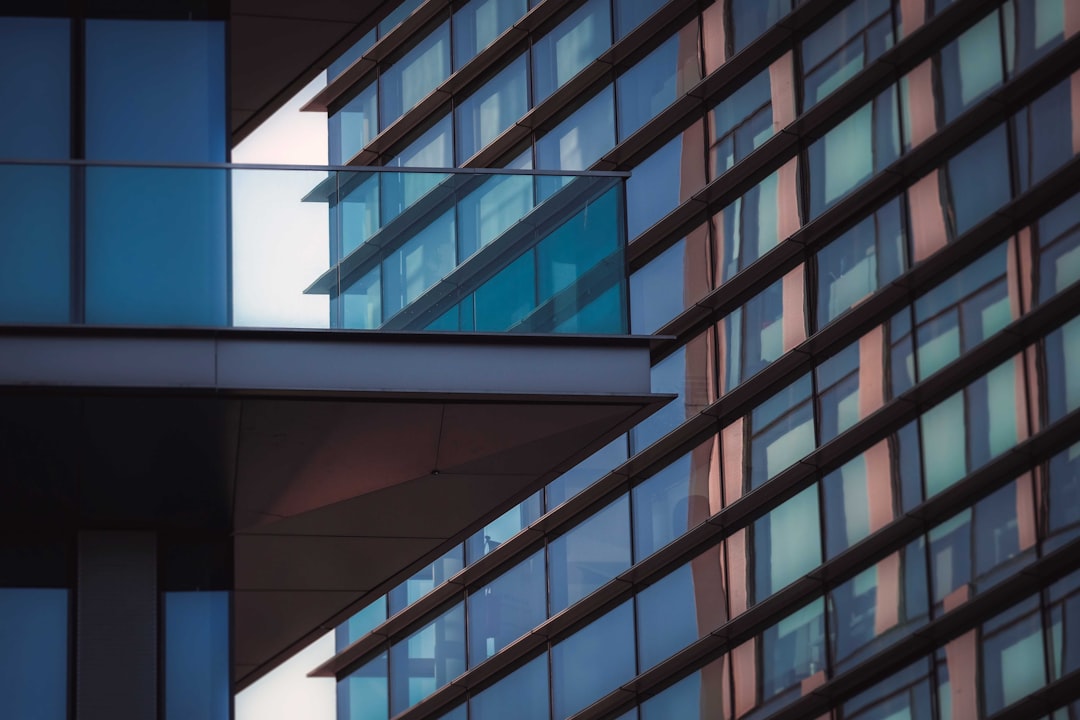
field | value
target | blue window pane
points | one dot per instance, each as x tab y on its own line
156	246
507	298
485	213
33	653
425	580
502	528
566	50
793	650
432	149
360	624
787	544
36	100
666	376
364	694
582	138
589	555
155	90
350	56
631	13
971	66
361	305
564	256
506	608
783	431
979	179
906	694
197	655
655	82
680	608
418	264
35	243
479	22
1044	135
395	16
410	78
699	696
593	661
1063	523
672	501
660	182
670	283
740	123
353	127
750	18
841	47
585	473
523	695
428	659
482	116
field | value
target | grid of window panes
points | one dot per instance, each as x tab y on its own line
905	466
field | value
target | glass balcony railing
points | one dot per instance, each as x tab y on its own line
300	247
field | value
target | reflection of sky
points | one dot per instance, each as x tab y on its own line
280	245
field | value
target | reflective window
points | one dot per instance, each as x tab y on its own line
34	653
971	66
479	22
521	694
1012	656
657	80
360	624
593	661
577	41
425	580
411	77
434	148
680	608
750	18
1063	502
763	329
686	372
676	499
417	265
756	222
395	16
428	659
364	693
502	528
506	608
589	555
582	138
155	90
197	655
631	13
1063	369
353	127
1064	635
740	123
859	497
482	116
350	56
1032	29
793	650
787	543
1043	135
585	473
979	180
670	282
849	154
1058	235
41	49
782	430
863	259
698	696
906	694
846	43
662	181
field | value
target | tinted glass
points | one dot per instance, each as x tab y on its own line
36	100
589	555
521	694
481	21
574	43
34	653
506	608
197	655
415	74
593	661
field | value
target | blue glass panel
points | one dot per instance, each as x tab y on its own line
197	655
1063	522
585	473
582	138
155	90
418	264
787	544
666	376
783	431
670	283
503	528
522	695
495	106
156	246
353	127
350	56
479	22
485	213
740	123
362	302
433	149
649	86
411	77
508	298
395	16
750	18
593	661
364	694
657	185
589	555
33	653
906	694
1043	150
668	614
574	43
506	608
360	624
699	696
426	579
35	244
35	100
563	257
428	659
841	47
631	13
662	506
793	650
979	179
971	66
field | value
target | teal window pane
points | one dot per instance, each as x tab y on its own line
197	655
846	43
36	100
506	299
359	208
663	506
971	66
793	650
670	283
589	555
506	608
680	608
585	473
360	624
362	302
35	244
944	444
486	113
155	90
395	16
1012	656
782	431
663	180
434	148
426	579
34	653
787	544
1044	135
353	126
522	694
364	693
581	243
747	228
411	77
156	246
427	659
593	661
479	22
502	528
485	213
1063	369
906	695
603	312
1059	248
566	50
740	123
417	265
350	56
582	138
1032	29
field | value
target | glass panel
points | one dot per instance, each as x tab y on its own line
506	608
34	653
1012	656
666	178
906	695
1063	369
749	227
851	39
589	555
502	528
793	650
410	78
740	123
350	56
585	473
395	16
360	624
353	127
425	580
156	246
1063	503
787	543
782	431
1064	635
971	66
979	179
582	138
41	50
433	149
943	444
1037	28
866	257
671	282
1058	233
428	659
593	661
364	694
675	499
1044	135
685	372
699	696
421	262
657	80
521	694
479	22
197	655
750	18
577	41
489	211
482	116
631	13
155	90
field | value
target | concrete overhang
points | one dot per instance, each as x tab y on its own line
339	462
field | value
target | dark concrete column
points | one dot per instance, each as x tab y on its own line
116	626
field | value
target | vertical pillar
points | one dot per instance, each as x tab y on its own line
116	626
